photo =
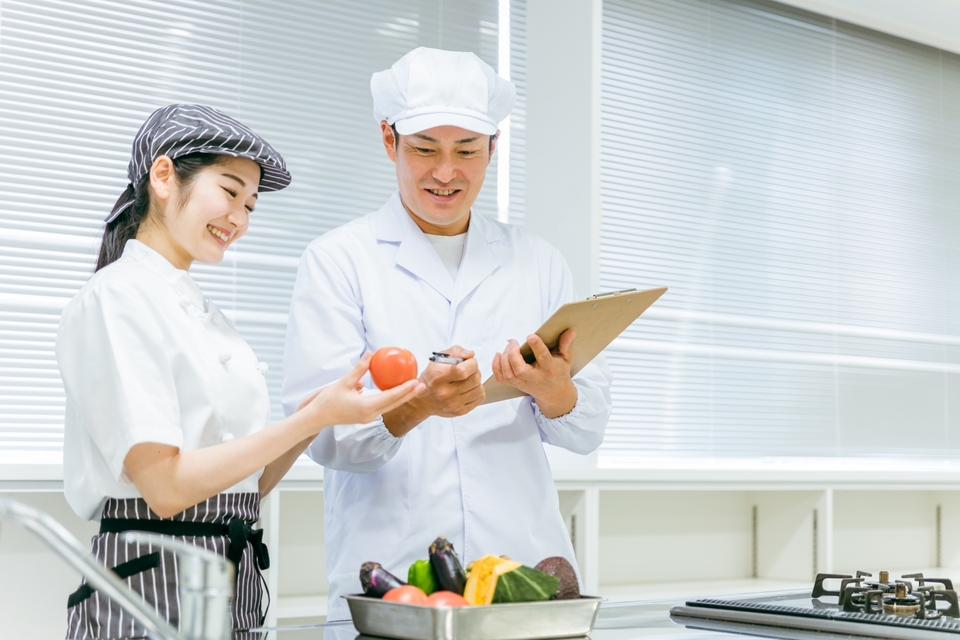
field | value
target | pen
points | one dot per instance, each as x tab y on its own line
444	358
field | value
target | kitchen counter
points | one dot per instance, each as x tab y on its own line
647	620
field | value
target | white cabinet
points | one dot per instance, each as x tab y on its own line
637	533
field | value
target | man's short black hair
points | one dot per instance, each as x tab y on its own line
396	139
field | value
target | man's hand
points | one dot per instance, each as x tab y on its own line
547	380
451	390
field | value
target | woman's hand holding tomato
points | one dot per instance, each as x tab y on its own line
343	403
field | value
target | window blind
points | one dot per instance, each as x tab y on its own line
78	78
794	180
518	117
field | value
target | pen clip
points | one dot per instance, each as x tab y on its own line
611	293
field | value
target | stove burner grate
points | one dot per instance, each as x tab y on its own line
900	599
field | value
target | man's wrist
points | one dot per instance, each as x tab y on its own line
404	418
559	403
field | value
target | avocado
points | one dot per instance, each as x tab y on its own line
558	567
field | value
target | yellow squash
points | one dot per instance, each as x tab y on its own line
482	581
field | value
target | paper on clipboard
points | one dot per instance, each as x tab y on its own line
597	321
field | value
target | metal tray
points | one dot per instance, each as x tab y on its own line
517	621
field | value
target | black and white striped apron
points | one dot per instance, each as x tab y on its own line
152	572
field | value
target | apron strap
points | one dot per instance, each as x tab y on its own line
238	532
166	527
123	571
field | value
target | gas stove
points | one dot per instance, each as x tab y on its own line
908	608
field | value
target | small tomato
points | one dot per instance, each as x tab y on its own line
445	599
391	366
407	594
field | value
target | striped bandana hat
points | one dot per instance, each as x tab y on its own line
181	129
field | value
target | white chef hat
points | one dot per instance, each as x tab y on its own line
431	88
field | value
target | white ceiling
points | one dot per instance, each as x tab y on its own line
932	22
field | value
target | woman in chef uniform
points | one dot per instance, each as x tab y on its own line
167	421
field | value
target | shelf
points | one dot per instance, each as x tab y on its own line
767	474
44	472
692	590
314	606
696	589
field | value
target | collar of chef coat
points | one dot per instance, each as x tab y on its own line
190	293
480	258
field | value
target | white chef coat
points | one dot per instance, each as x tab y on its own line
482	480
145	358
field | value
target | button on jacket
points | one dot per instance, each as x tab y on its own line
145	358
482	480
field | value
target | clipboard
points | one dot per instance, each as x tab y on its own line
597	320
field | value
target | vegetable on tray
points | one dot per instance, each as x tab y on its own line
496	580
441	580
408	594
421	575
446	599
376	580
560	568
446	566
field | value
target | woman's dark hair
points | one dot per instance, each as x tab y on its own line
127	224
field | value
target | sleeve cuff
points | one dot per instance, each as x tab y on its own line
565	418
381	432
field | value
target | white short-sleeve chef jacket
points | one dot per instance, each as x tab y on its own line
146	358
482	480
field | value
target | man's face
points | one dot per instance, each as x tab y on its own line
439	172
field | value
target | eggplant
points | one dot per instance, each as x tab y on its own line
446	566
376	580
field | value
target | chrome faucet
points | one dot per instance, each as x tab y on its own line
206	579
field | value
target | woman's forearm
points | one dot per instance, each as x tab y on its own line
273	473
171	480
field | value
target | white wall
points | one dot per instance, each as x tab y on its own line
563	131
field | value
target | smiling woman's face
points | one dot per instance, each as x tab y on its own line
198	221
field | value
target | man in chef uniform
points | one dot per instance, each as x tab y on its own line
427	274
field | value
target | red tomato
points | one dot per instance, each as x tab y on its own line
445	599
407	594
390	367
